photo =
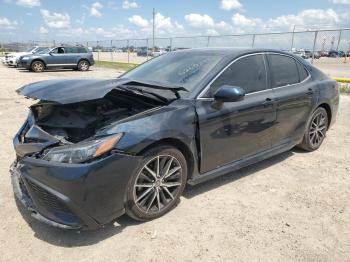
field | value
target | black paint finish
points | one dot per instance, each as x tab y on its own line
215	135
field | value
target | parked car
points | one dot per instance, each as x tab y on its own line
143	52
92	150
317	55
13	58
74	57
334	54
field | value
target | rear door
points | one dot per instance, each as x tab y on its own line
72	55
294	94
236	130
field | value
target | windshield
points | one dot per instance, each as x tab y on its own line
29	50
176	68
44	51
40	49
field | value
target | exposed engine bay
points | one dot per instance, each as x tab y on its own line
71	123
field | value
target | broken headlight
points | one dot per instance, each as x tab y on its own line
82	152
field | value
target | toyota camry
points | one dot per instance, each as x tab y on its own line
93	150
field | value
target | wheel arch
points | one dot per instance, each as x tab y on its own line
328	109
83	59
181	146
37	59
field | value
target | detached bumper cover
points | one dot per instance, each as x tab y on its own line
74	195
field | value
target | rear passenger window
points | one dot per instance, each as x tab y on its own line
248	73
303	74
71	50
284	70
81	50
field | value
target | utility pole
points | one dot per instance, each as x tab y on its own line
154	22
291	48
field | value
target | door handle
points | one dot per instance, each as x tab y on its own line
268	101
310	91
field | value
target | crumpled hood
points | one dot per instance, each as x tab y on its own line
71	90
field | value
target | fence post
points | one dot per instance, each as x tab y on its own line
128	51
313	49
147	49
171	44
292	45
111	50
339	38
98	51
253	41
208	41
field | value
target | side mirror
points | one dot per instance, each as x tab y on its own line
228	93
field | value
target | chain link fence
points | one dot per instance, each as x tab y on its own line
315	45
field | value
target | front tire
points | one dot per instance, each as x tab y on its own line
37	66
156	186
316	131
83	65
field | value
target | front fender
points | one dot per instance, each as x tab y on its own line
176	121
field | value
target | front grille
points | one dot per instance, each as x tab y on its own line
46	199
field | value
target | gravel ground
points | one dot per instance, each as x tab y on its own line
292	207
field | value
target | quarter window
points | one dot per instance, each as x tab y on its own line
284	70
248	73
81	50
303	74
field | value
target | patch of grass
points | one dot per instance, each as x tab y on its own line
115	65
344	89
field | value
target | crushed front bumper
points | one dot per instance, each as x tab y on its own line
73	196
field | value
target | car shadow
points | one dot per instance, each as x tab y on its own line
22	70
192	191
74	238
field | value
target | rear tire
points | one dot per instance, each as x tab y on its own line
37	66
83	65
156	186
316	130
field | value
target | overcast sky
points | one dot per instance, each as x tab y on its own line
96	20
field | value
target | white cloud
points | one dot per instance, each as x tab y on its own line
241	20
100	31
43	30
309	18
230	4
55	20
344	2
199	21
95	9
129	5
28	3
7	24
119	30
138	21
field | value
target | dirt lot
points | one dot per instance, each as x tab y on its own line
292	207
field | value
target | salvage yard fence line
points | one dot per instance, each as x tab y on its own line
323	42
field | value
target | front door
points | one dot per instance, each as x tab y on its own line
57	57
240	129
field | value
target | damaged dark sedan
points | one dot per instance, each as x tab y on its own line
92	150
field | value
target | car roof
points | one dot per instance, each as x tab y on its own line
229	52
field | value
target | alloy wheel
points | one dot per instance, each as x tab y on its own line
158	184
318	129
84	66
38	67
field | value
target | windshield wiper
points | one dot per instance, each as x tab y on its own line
159	97
156	85
134	90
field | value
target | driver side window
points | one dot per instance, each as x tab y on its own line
248	73
58	50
